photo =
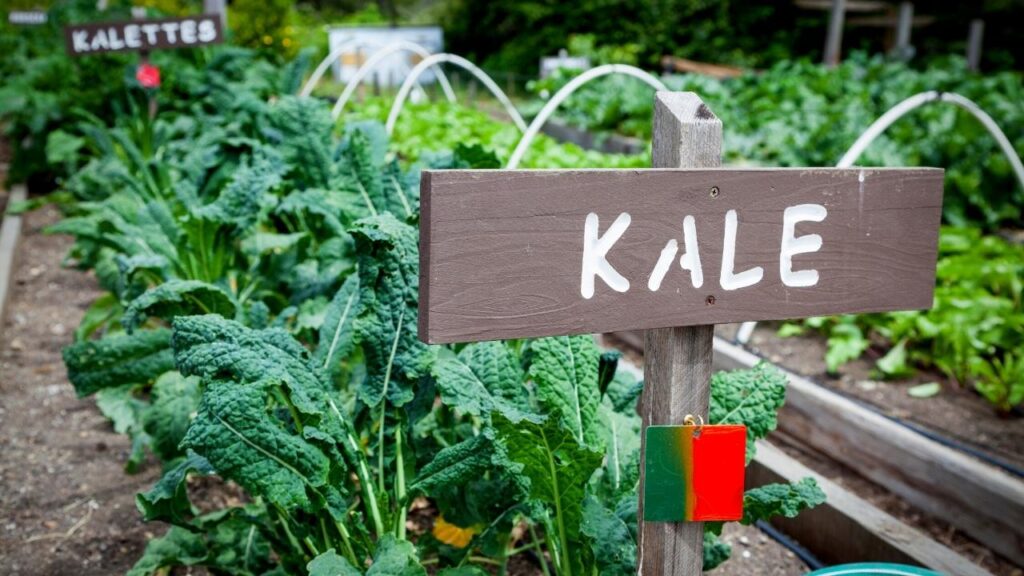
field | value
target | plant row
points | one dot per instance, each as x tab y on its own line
797	113
258	327
800	114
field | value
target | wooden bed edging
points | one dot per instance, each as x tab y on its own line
10	236
983	501
847	528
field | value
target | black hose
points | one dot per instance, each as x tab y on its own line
805	555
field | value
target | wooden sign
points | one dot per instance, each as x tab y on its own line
527	253
143	35
673	250
26	17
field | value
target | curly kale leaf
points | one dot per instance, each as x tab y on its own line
715	551
564	370
242	435
337	334
548	459
227	541
303	128
749	397
386	325
119	359
786	500
611	542
173	400
241	203
393	558
455	465
168	499
178	298
483	377
214	348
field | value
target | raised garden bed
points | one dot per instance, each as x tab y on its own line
70	507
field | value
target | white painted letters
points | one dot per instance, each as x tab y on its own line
80	40
115	40
150	31
171	31
595	248
207	31
690	260
188	31
131	36
791	245
730	280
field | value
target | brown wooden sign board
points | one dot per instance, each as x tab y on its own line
528	253
143	35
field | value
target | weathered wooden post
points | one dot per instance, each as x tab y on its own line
834	40
974	39
677	361
674	251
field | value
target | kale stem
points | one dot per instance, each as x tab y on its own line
347	542
566	567
380	447
400	495
283	521
362	471
540	551
503	567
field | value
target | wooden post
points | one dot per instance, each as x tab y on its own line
218	7
834	41
903	27
974	44
677	361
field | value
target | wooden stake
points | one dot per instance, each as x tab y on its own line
677	361
834	41
974	39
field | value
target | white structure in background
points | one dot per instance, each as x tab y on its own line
549	64
365	40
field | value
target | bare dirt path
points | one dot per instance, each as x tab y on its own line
66	505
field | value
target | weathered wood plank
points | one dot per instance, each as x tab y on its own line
10	236
847	528
677	373
503	249
983	501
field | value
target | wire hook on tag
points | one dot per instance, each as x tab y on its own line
689	420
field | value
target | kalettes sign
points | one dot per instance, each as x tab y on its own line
141	35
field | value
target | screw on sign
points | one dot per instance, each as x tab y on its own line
674	251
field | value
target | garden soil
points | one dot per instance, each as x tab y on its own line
66	504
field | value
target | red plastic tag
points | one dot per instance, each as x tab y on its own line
694	473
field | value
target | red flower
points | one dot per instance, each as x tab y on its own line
148	76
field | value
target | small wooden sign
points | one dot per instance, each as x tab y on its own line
528	253
143	35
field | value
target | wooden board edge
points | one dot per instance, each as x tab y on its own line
869	533
990	494
847	528
423	317
10	237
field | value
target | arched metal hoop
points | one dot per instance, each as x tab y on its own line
321	69
486	80
566	91
378	57
895	113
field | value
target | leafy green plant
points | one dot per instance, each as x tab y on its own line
974	333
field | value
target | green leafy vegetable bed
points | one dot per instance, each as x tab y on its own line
259	326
